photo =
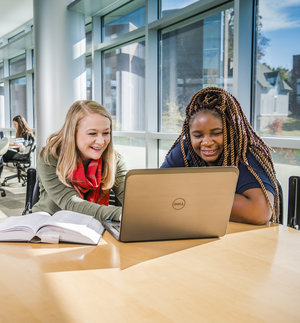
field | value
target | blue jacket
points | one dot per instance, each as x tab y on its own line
245	181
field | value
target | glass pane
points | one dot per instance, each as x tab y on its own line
193	57
277	101
168	6
32	58
88	65
133	151
124	86
17	65
286	163
2	113
1	71
287	156
124	20
32	123
88	37
18	97
16	36
164	147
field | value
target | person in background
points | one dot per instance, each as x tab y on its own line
78	165
23	131
216	132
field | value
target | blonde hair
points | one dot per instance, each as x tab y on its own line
239	137
62	144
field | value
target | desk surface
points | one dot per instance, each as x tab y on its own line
250	275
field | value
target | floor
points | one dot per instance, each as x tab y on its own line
14	201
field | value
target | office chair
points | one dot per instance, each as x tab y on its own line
22	162
294	202
113	200
4	143
33	192
280	202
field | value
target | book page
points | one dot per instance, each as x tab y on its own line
69	226
22	228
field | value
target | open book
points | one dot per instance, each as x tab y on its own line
63	226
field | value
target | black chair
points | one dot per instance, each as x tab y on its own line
21	162
294	202
113	200
32	190
4	143
280	202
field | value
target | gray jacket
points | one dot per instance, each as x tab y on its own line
55	196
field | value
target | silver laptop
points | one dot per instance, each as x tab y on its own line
175	203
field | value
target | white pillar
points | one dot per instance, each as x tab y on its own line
59	54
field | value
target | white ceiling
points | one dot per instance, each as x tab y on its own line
13	14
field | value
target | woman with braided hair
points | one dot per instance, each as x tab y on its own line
216	132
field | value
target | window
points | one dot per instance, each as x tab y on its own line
124	20
18	97
277	91
1	71
17	65
168	6
88	37
298	92
32	58
164	147
16	36
194	56
88	65
124	86
2	113
133	151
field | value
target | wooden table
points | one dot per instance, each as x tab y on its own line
250	275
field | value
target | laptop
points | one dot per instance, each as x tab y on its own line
175	203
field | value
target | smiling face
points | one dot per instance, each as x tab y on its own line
93	136
206	132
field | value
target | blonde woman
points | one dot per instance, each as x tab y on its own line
78	166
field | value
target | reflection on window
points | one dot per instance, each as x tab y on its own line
193	57
168	6
18	97
133	151
277	98
124	86
88	65
17	65
124	20
164	147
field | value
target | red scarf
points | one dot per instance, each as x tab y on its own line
88	184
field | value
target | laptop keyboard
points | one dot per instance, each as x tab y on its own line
117	226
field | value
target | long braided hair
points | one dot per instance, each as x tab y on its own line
238	136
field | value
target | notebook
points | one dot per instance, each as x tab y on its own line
175	203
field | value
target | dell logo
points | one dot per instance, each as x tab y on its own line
178	204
